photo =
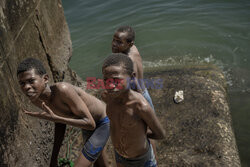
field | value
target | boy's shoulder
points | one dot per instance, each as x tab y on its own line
140	102
134	50
62	87
134	53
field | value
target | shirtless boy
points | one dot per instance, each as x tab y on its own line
123	42
130	115
64	103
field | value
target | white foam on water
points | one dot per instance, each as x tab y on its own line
184	60
191	60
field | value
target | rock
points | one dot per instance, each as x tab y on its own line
199	129
178	96
30	29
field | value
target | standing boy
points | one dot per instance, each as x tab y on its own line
123	42
129	114
64	103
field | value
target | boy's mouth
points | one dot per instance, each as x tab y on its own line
113	92
30	94
114	49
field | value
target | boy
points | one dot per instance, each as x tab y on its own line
129	114
123	42
65	104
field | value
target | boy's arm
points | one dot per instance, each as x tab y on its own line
149	117
48	114
70	97
78	107
58	139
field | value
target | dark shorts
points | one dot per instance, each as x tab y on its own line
148	98
145	160
96	139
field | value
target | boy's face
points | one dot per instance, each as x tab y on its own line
32	84
116	78
119	42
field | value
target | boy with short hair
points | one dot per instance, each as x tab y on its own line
130	115
64	103
123	42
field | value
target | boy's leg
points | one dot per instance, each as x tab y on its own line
93	149
82	161
148	98
154	148
58	139
151	161
102	160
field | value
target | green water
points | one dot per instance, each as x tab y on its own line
171	32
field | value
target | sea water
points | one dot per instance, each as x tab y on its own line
170	33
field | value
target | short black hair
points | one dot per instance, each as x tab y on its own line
119	59
129	30
29	64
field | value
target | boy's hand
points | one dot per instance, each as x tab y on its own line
47	114
48	110
43	115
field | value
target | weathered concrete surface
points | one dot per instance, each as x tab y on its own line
199	131
29	29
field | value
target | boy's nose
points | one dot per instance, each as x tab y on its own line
112	86
114	43
27	87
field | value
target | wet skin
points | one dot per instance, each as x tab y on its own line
120	45
129	115
62	103
65	100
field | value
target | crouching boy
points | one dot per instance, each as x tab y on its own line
64	103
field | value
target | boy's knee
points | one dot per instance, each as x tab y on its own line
82	161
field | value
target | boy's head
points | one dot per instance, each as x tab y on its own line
32	77
117	69
123	39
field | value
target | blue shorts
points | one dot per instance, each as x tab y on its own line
96	139
148	98
145	160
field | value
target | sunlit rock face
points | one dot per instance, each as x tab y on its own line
198	127
29	28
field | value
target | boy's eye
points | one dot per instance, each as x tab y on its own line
31	81
118	42
21	83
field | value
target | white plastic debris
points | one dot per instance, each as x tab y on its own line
178	97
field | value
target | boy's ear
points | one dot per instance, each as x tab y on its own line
46	78
133	75
131	43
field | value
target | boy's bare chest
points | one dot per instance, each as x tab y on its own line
123	117
60	108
